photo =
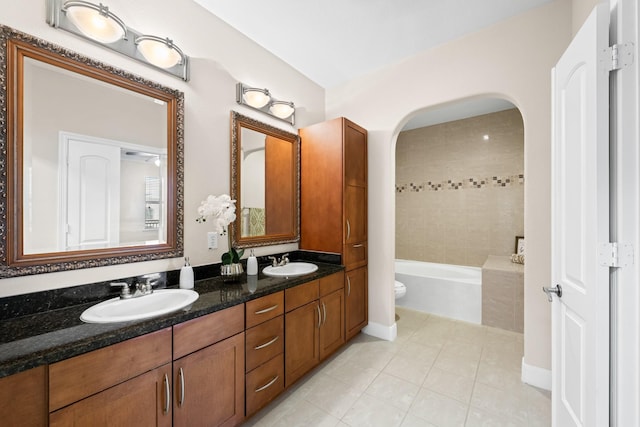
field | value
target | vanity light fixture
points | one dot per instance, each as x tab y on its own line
261	100
254	97
97	23
282	109
160	52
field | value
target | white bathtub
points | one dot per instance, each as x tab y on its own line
446	290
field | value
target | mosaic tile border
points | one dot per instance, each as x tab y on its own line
464	184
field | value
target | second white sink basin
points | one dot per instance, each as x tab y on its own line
160	302
291	269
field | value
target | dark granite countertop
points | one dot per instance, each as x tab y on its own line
52	335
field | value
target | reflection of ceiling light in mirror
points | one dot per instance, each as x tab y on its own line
159	52
95	21
157	161
485	137
257	98
282	109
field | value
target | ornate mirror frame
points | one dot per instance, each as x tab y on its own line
14	46
238	122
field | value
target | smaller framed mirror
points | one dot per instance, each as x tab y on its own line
265	182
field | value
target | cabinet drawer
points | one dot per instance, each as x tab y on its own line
264	308
263	342
264	384
206	330
81	376
331	283
355	255
301	295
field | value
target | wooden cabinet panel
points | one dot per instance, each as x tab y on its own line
356	301
355	255
332	283
301	295
355	212
264	384
81	376
280	175
141	401
209	385
301	341
355	154
23	398
206	330
264	308
264	342
332	329
321	187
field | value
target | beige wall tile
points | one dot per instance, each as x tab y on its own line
460	226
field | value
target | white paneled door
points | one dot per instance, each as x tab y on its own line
92	205
580	227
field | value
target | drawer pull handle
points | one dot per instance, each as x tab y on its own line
319	316
181	375
348	230
267	385
266	310
360	245
348	286
324	309
167	393
267	344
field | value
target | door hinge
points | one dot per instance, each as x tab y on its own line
618	56
615	254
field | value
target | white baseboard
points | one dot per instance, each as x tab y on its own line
377	330
535	376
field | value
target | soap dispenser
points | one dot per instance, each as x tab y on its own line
252	265
186	275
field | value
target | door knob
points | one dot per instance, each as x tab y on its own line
555	290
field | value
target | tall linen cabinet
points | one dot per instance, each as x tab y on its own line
333	206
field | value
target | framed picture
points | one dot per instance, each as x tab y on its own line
519	245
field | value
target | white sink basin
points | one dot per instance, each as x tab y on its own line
160	302
291	269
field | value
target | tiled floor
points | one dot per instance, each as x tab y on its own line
438	372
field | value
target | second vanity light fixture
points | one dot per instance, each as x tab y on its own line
261	100
97	23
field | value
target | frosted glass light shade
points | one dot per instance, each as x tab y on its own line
98	24
282	109
257	98
159	52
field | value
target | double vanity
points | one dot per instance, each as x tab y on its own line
215	362
167	358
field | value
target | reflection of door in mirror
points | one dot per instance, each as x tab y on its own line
76	196
252	185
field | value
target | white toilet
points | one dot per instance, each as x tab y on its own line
400	289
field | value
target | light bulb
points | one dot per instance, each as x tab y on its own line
282	109
257	98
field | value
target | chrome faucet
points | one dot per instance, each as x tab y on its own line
283	261
142	289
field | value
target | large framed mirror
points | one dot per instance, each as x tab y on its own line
265	182
92	162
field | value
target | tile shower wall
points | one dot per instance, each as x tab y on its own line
460	198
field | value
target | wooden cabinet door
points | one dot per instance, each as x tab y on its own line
332	329
356	301
355	154
23	398
209	385
141	401
301	341
355	213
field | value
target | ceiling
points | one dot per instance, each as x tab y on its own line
335	41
